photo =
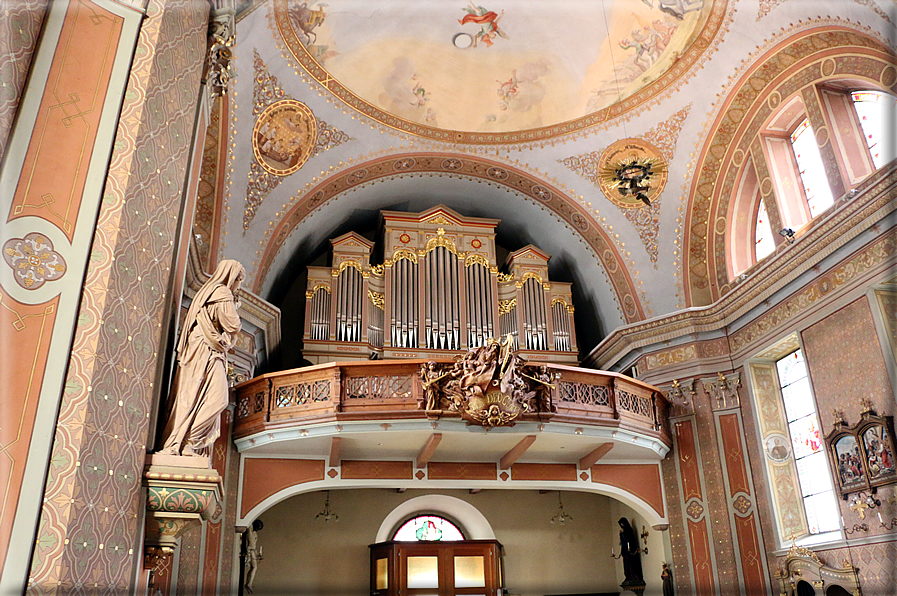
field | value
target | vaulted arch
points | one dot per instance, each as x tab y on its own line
794	68
547	196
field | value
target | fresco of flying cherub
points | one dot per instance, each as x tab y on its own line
487	20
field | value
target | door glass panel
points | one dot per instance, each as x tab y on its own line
382	575
423	572
470	572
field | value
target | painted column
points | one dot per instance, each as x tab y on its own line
92	506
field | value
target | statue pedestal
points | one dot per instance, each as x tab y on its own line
182	491
638	589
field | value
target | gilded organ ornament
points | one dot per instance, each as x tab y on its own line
284	137
489	386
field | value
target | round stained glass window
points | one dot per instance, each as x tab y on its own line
428	528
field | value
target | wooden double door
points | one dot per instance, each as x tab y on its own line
470	567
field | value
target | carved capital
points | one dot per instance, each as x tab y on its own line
723	390
221	43
181	493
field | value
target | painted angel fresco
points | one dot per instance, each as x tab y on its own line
677	8
488	22
306	18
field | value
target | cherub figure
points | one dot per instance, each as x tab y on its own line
488	21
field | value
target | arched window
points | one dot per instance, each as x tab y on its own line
784	167
428	528
812	172
876	112
764	244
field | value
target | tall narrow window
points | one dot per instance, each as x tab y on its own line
812	172
809	456
764	244
876	111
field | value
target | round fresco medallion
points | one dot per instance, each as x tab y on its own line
776	448
284	137
632	173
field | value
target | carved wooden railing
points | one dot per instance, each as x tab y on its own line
391	390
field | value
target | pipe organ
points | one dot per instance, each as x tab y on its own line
437	291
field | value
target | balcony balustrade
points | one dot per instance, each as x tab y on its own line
392	390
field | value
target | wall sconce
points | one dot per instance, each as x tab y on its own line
644	537
561	517
788	233
862	501
326	514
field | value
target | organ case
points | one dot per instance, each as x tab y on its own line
438	292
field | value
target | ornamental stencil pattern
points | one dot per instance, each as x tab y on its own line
767	5
204	218
20	23
266	90
645	219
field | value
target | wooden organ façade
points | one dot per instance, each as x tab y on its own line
438	290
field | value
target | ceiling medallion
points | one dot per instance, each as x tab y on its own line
284	137
632	173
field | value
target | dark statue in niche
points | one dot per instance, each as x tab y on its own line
666	576
631	555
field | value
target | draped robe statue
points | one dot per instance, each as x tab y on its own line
199	392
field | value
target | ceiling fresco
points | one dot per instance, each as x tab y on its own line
431	66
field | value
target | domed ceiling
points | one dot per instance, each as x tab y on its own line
432	66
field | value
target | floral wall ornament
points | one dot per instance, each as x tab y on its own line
33	260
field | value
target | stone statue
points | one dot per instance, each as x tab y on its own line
199	392
253	553
631	555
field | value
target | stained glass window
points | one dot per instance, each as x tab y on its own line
427	528
806	441
763	242
812	172
876	111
